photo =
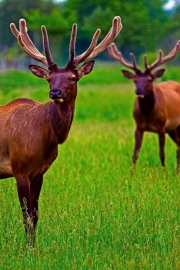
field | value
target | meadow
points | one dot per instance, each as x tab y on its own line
93	213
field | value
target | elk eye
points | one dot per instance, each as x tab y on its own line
73	78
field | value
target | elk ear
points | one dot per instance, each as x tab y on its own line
128	74
86	68
158	73
39	71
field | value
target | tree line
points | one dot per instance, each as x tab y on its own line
147	25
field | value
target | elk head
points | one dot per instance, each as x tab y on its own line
143	79
63	81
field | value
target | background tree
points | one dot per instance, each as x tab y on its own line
144	22
12	11
147	26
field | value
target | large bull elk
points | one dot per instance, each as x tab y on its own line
31	131
157	105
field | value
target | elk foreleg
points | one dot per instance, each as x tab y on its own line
175	136
161	147
23	186
178	160
138	143
178	149
28	192
35	188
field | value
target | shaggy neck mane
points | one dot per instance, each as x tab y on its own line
146	104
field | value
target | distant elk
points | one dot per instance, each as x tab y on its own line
31	131
157	106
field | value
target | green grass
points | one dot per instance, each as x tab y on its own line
93	213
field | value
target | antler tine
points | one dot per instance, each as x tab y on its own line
72	43
112	34
135	68
30	53
25	42
145	62
156	63
93	51
113	51
161	60
46	46
84	56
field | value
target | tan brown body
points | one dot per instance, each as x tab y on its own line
163	117
166	112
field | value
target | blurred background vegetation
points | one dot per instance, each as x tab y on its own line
147	27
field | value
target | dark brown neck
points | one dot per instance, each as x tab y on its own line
146	104
61	116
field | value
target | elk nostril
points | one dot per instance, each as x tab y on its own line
138	91
55	93
59	92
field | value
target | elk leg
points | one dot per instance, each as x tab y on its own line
25	202
138	143
175	136
161	147
178	159
35	188
178	149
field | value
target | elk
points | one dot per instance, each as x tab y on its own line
157	105
32	131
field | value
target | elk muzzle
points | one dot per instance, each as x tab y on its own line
140	92
57	94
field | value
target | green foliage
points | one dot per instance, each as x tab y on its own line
146	24
13	12
91	22
104	73
151	57
10	55
55	21
96	102
105	85
12	81
141	30
172	73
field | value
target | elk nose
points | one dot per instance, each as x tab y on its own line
138	91
55	93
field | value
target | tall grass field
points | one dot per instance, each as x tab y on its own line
93	213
